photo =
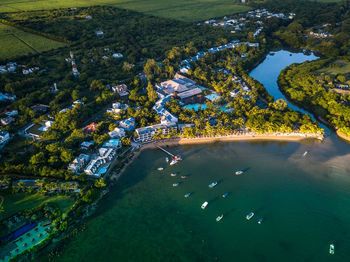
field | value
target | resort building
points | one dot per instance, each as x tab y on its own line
128	124
121	90
145	134
99	165
78	163
117	132
113	143
179	84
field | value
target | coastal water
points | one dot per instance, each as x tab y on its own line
304	200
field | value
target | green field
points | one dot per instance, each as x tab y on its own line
186	10
337	67
15	42
18	202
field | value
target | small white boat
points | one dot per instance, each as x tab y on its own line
249	216
167	159
305	153
331	249
187	195
184	177
213	184
219	218
239	172
204	205
173	174
260	221
160	168
173	162
225	195
176	184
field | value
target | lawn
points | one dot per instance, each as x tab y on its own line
337	67
185	10
15	42
16	202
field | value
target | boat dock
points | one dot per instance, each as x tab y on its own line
170	154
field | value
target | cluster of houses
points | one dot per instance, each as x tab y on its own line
30	70
74	104
71	60
117	108
4	138
95	165
320	34
244	89
185	64
10	67
239	21
9	117
121	90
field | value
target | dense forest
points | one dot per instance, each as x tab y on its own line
315	92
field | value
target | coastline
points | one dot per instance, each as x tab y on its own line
342	136
296	137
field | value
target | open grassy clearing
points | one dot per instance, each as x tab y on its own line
15	42
18	202
185	10
337	67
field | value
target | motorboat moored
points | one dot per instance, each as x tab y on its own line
239	172
219	218
204	205
184	177
213	184
173	174
160	168
187	195
331	249
250	215
176	184
167	159
225	195
260	221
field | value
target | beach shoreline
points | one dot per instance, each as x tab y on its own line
293	137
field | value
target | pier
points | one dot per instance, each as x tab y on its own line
170	154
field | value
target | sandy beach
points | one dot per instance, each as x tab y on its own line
342	136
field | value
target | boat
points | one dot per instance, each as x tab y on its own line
260	221
167	159
250	215
219	218
173	162
176	184
160	168
187	195
173	174
204	205
305	153
331	249
225	195
184	177
239	172
213	184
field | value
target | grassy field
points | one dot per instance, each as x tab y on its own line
337	67
185	10
17	202
15	42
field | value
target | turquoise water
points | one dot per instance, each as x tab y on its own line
304	200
